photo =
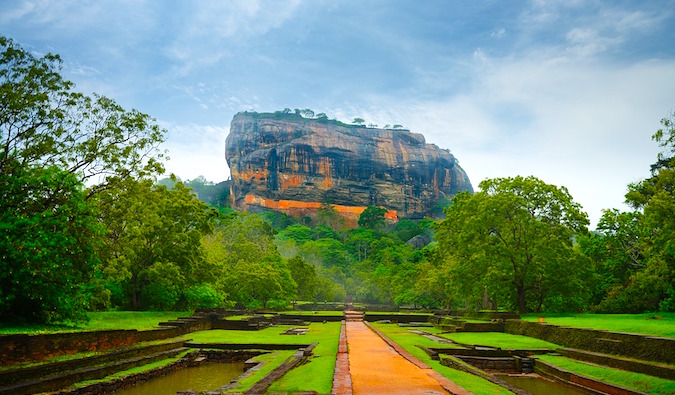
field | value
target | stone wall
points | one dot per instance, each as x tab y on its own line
399	318
626	344
25	348
492	364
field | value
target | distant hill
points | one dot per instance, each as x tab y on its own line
288	163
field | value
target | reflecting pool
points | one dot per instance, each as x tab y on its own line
205	377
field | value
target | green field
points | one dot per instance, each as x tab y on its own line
656	324
104	320
499	340
638	381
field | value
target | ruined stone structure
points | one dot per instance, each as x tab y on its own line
292	164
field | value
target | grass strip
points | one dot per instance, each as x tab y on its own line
102	320
270	362
654	324
637	381
500	340
409	342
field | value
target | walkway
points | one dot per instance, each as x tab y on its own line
376	367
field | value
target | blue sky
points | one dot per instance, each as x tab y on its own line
568	91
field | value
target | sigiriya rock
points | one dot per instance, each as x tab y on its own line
292	164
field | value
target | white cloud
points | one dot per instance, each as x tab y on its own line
196	150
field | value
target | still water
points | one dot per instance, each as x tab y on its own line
208	376
537	385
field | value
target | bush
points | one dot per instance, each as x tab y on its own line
203	296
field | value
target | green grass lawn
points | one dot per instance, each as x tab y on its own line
499	339
103	320
638	381
409	342
656	324
317	375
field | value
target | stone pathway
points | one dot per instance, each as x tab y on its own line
378	367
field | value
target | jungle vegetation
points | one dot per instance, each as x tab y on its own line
86	225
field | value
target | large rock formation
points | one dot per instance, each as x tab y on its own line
289	163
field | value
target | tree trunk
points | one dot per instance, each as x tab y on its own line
134	292
522	309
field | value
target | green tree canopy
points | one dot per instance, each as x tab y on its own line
52	141
515	238
373	218
304	275
152	232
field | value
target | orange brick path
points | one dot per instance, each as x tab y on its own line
376	368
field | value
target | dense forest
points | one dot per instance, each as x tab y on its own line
86	224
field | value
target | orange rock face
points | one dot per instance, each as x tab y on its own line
288	163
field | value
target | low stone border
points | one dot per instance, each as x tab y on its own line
397	318
658	370
648	348
584	382
245	346
342	379
456	363
19	348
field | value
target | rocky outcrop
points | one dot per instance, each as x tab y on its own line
289	163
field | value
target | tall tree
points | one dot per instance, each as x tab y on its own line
655	197
52	141
152	233
48	235
516	238
304	275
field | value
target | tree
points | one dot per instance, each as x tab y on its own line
516	238
328	216
322	116
45	123
153	239
48	235
373	218
52	141
307	113
397	126
359	121
304	275
655	197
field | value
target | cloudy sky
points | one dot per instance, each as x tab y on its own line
569	91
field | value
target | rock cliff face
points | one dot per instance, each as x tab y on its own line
292	164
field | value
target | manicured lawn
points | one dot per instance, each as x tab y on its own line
499	339
409	342
656	324
103	320
638	381
317	375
